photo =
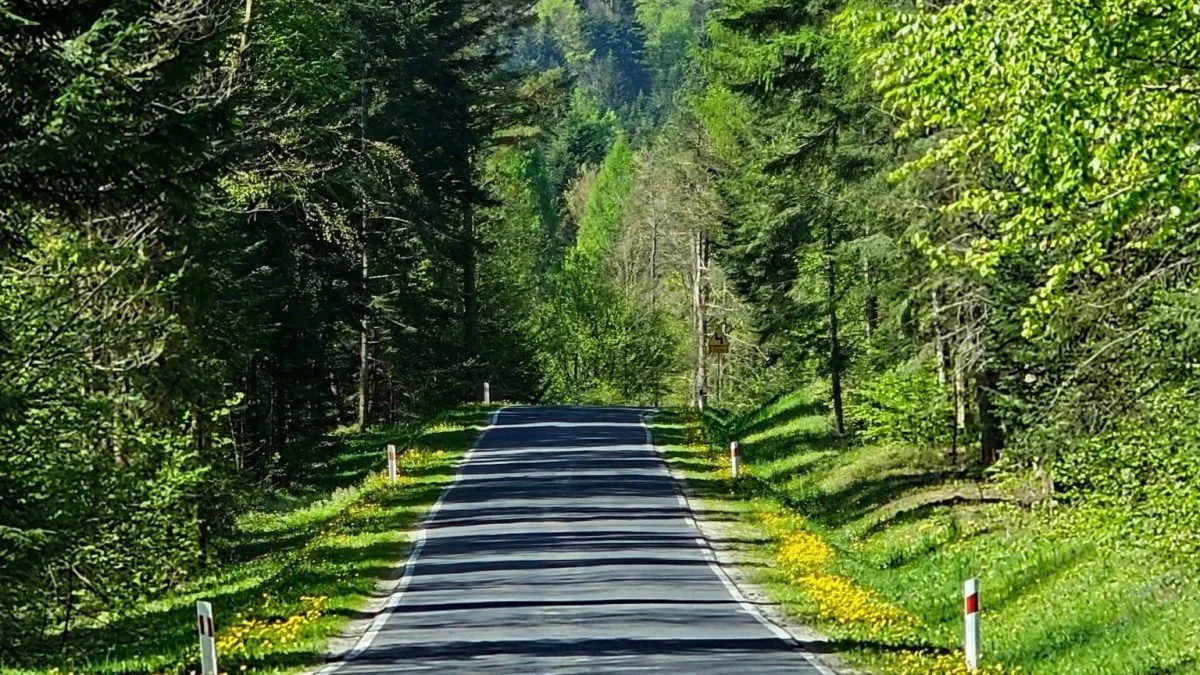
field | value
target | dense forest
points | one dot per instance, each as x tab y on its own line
228	229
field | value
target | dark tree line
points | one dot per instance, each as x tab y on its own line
227	228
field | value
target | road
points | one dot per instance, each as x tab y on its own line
564	547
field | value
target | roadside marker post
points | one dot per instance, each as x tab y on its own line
487	393
392	464
971	641
735	458
208	638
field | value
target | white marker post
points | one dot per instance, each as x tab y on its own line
208	638
735	458
487	393
392	464
971	642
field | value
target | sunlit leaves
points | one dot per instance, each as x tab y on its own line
1070	125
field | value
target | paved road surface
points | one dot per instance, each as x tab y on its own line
564	548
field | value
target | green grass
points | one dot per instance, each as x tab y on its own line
299	569
908	529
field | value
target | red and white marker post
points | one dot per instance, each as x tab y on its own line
392	464
208	638
971	606
735	458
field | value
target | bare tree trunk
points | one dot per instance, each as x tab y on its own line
941	345
945	371
654	286
654	261
955	424
247	23
835	351
700	302
364	336
960	396
364	353
281	417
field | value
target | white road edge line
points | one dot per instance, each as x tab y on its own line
710	557
381	619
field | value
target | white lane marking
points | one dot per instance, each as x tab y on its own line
709	557
364	643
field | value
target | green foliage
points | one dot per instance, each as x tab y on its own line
520	230
186	202
596	344
1083	108
905	405
1144	472
310	554
562	22
604	213
672	42
110	131
582	138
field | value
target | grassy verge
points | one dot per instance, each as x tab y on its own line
301	568
871	545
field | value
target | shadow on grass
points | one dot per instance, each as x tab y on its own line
926	509
754	425
779	447
468	415
1038	572
687	461
844	506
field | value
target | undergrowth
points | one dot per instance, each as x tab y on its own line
296	570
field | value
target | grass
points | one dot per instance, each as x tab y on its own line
871	545
299	569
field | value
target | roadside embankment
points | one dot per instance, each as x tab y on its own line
871	544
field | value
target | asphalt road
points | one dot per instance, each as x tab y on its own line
564	547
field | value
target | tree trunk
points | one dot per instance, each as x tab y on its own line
941	345
280	421
945	364
240	57
700	301
364	353
960	396
200	442
835	351
991	435
871	310
654	261
470	287
654	285
364	335
66	631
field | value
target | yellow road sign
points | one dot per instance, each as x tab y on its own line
718	344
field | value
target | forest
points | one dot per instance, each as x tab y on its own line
233	231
